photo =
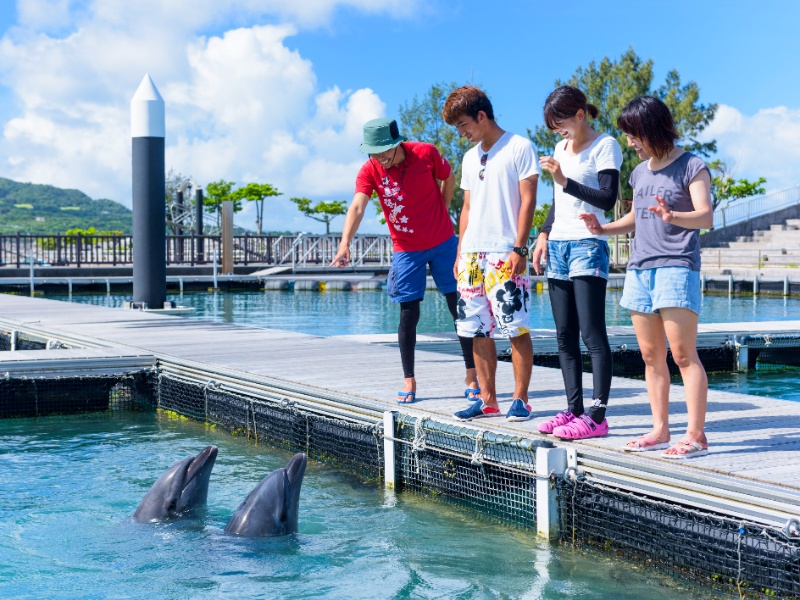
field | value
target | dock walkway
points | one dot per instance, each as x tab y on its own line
754	441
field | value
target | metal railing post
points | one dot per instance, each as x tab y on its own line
550	462
389	466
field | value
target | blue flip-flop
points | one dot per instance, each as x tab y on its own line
406	395
475	391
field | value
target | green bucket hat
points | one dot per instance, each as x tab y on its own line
380	135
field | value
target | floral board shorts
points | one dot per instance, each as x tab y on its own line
491	303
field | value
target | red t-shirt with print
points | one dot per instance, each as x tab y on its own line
410	196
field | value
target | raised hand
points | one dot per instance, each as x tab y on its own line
662	210
548	163
591	222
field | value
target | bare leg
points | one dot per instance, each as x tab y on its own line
471	380
653	345
681	328
485	353
522	359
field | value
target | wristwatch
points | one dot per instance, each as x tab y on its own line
521	250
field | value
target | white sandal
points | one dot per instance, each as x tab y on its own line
693	450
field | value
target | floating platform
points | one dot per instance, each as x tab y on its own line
740	503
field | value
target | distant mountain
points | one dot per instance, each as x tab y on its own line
44	209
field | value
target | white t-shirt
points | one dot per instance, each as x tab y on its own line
494	201
583	167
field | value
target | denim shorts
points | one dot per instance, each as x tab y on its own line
650	290
491	303
577	258
407	277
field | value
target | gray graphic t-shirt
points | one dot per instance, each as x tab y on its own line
656	243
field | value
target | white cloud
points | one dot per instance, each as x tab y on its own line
240	105
766	144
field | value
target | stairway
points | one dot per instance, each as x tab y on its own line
764	250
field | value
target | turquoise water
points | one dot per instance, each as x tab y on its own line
347	313
69	485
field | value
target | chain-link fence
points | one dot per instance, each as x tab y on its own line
350	444
44	396
492	473
744	557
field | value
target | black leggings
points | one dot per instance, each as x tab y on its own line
407	334
579	309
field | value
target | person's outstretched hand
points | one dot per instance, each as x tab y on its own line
591	222
662	210
342	258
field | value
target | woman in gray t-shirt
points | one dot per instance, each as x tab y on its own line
671	203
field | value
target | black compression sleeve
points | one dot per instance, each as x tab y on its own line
548	222
605	197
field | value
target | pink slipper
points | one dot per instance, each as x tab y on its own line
646	443
561	418
581	428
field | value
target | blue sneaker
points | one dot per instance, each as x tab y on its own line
518	411
477	411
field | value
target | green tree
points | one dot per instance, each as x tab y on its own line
539	217
256	192
218	192
421	120
610	85
324	212
725	187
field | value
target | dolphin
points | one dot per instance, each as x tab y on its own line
179	489
272	507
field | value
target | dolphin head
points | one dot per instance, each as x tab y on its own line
273	505
180	488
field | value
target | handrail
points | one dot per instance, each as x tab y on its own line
191	249
748	208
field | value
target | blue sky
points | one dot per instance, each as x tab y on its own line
265	90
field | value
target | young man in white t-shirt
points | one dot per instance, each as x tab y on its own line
499	176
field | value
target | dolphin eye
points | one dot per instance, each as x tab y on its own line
172	505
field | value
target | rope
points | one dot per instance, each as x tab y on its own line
478	455
419	443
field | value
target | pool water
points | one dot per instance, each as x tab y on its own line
367	312
69	485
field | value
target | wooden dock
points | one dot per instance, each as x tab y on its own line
754	441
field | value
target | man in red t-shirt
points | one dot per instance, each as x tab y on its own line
414	184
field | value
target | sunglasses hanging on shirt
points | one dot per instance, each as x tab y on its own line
481	173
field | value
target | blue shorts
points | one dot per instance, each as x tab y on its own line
406	281
577	258
650	290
